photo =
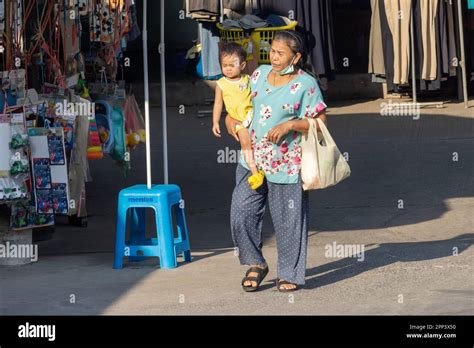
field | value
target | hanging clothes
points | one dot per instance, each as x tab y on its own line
418	44
434	41
376	62
315	18
235	5
210	10
315	22
452	55
435	83
428	13
387	47
276	7
443	36
203	10
210	39
398	14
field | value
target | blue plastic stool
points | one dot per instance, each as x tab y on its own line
161	198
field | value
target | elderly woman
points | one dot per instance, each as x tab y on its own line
283	95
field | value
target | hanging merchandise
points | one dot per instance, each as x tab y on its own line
78	168
101	25
2	15
103	116
50	175
85	7
13	87
435	56
118	129
24	216
315	22
94	149
46	143
134	123
399	27
14	147
109	20
70	33
206	11
209	67
134	30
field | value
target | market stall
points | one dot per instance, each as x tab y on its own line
64	103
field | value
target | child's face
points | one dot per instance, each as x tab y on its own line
231	66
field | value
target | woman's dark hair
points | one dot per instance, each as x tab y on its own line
295	42
229	48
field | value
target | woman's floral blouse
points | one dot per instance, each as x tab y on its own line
272	106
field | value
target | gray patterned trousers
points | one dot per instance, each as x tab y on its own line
288	205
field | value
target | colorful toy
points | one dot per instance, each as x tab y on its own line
103	116
19	167
95	153
119	147
43	203
19	218
19	141
94	150
56	149
59	199
133	139
142	133
41	170
42	219
134	123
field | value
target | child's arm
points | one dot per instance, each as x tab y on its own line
217	111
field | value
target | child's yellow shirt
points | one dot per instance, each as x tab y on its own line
237	99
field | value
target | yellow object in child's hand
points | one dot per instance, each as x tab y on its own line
256	180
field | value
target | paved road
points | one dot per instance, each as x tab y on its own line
407	202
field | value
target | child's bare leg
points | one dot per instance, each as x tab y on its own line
246	145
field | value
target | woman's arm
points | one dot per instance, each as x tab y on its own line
279	132
302	126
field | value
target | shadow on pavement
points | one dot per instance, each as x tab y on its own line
384	255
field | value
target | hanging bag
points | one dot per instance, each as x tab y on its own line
322	164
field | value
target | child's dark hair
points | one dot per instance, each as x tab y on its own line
227	48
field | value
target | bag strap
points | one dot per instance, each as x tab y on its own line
325	131
312	127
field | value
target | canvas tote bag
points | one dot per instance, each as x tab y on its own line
322	164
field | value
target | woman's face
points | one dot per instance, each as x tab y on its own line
281	55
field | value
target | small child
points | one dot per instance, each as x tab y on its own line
234	90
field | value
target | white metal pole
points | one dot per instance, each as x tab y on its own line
462	63
147	95
163	93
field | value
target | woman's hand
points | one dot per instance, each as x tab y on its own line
279	132
230	124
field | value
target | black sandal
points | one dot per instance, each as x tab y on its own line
280	282
262	272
